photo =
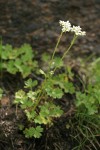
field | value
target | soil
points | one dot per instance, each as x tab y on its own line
37	22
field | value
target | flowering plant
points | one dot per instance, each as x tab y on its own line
39	105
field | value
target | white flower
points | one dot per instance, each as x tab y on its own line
66	26
78	31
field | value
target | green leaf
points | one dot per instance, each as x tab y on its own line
56	112
33	132
11	68
29	132
25	48
38	119
20	97
7	52
46	57
38	132
29	83
62	81
57	93
54	92
47	112
32	95
69	88
50	110
20	94
57	63
26	103
18	64
26	57
30	115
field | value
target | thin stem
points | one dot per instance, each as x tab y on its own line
38	100
55	49
56	46
70	46
72	42
39	96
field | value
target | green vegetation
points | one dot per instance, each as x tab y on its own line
39	104
39	99
14	60
86	122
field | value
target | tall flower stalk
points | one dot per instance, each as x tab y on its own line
59	39
66	27
70	46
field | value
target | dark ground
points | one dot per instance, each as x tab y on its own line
37	22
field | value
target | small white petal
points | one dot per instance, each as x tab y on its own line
66	26
78	31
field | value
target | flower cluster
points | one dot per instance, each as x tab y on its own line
78	30
66	27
